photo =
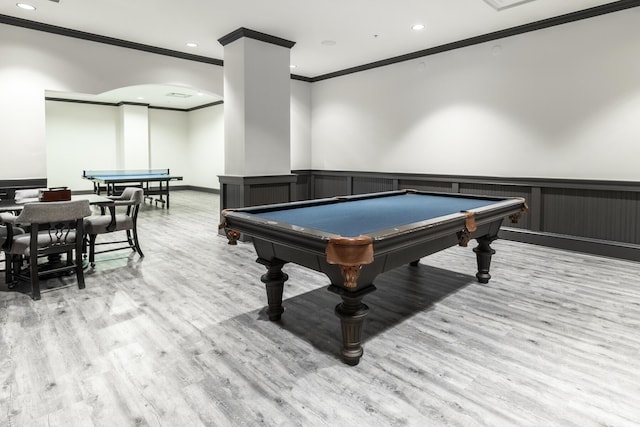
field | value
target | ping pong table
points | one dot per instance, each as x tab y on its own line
113	181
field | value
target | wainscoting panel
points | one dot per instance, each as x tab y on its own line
231	196
597	214
329	186
504	191
366	184
242	191
424	185
264	194
303	187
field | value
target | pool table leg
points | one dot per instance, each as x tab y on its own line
274	280
351	312
483	256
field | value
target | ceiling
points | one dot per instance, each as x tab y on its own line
330	35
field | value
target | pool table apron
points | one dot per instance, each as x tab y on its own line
388	253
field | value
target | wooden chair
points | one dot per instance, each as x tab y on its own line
56	228
131	198
7	234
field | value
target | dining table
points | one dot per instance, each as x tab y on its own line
15	206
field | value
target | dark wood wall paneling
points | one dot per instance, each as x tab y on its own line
241	191
597	214
231	196
498	190
600	217
264	194
366	184
303	187
425	185
328	186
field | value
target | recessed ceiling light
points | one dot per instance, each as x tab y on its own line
191	44
418	27
140	98
504	4
179	95
25	6
292	66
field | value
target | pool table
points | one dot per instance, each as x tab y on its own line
352	239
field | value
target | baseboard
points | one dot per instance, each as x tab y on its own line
196	188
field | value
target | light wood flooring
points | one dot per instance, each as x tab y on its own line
181	338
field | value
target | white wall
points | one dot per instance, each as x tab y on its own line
133	137
169	142
79	137
206	146
300	125
562	102
33	61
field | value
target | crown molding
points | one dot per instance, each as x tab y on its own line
256	35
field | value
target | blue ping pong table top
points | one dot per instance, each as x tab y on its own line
133	175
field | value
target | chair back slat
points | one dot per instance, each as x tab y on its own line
58	232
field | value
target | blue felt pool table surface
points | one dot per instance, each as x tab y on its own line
366	216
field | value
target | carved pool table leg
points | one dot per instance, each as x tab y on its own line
351	312
483	256
274	280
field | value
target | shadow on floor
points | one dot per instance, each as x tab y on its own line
401	293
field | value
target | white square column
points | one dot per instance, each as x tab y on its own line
257	86
132	148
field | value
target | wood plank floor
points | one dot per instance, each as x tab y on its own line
181	338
